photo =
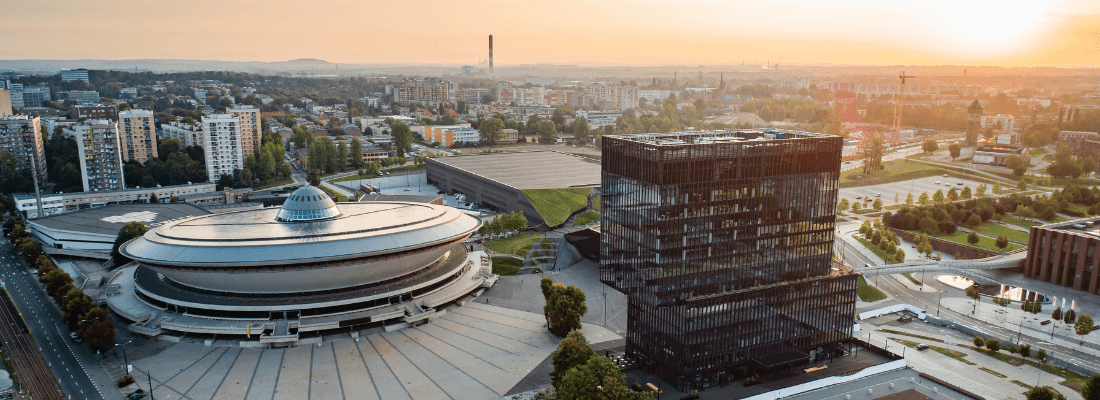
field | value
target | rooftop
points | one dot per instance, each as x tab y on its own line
108	220
710	137
529	170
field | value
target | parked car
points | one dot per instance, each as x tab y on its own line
922	346
878	194
1047	322
905	318
944	175
937	182
960	183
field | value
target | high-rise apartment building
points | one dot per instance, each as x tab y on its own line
614	96
138	135
251	131
33	96
100	149
21	136
5	103
224	152
430	92
722	242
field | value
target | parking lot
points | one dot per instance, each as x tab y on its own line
914	186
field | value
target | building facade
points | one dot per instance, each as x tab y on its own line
428	93
599	119
99	145
251	130
138	135
96	111
21	136
224	153
84	96
188	134
973	123
1066	254
448	135
1004	122
57	203
73	75
722	242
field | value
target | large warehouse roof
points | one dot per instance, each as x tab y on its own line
108	220
530	170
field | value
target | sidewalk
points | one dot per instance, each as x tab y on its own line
967	376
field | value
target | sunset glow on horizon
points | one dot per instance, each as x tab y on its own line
1056	33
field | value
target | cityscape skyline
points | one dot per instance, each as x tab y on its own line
1054	34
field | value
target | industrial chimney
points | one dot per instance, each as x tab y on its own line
490	54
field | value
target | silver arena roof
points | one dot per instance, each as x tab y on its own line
307	204
259	238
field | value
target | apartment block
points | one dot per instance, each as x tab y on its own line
100	150
5	103
73	75
139	135
93	111
448	135
251	130
188	134
84	96
224	151
21	136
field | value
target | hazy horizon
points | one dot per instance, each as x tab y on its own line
1058	33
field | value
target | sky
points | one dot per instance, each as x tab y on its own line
1034	33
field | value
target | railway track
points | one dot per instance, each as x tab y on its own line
34	375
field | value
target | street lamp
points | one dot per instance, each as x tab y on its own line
1020	332
125	359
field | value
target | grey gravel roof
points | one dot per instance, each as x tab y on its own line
108	220
529	170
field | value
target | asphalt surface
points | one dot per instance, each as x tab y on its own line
50	332
929	302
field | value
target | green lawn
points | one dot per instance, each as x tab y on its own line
555	205
1014	220
877	251
868	293
998	230
596	203
958	355
335	196
353	178
895	171
1073	380
506	266
286	180
983	242
587	217
406	168
1037	152
518	244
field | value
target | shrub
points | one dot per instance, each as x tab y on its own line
993	345
125	380
978	341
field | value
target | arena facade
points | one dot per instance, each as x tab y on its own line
278	274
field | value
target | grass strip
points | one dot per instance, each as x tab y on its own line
1022	384
506	266
998	374
912	335
518	244
586	217
958	355
911	278
868	293
1071	379
286	180
999	230
337	197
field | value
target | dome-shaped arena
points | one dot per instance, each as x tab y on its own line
311	265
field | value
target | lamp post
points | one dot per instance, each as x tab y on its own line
125	359
939	298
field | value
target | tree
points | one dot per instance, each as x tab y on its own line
491	130
356	156
1069	317
930	146
547	132
97	329
877	205
1001	242
402	138
580	130
598	378
1025	350
973	223
973	293
873	150
972	238
74	305
1017	164
129	231
923	200
966	193
1083	325
981	190
1056	314
1041	355
1091	389
993	345
1043	393
856	206
953	194
938	197
909	199
979	342
843	206
572	351
955	149
564	306
997	188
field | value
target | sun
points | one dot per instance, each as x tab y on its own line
988	29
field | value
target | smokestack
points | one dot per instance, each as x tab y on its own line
490	54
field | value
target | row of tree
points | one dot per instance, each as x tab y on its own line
509	222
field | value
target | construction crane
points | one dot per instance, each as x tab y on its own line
897	105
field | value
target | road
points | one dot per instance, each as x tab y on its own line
31	370
67	361
929	302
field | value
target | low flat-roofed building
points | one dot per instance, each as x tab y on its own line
997	154
1066	254
497	180
28	206
96	229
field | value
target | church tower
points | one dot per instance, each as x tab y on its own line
973	123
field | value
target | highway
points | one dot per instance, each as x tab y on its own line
50	332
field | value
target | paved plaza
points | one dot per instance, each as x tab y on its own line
475	351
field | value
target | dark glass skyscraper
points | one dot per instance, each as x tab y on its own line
722	242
